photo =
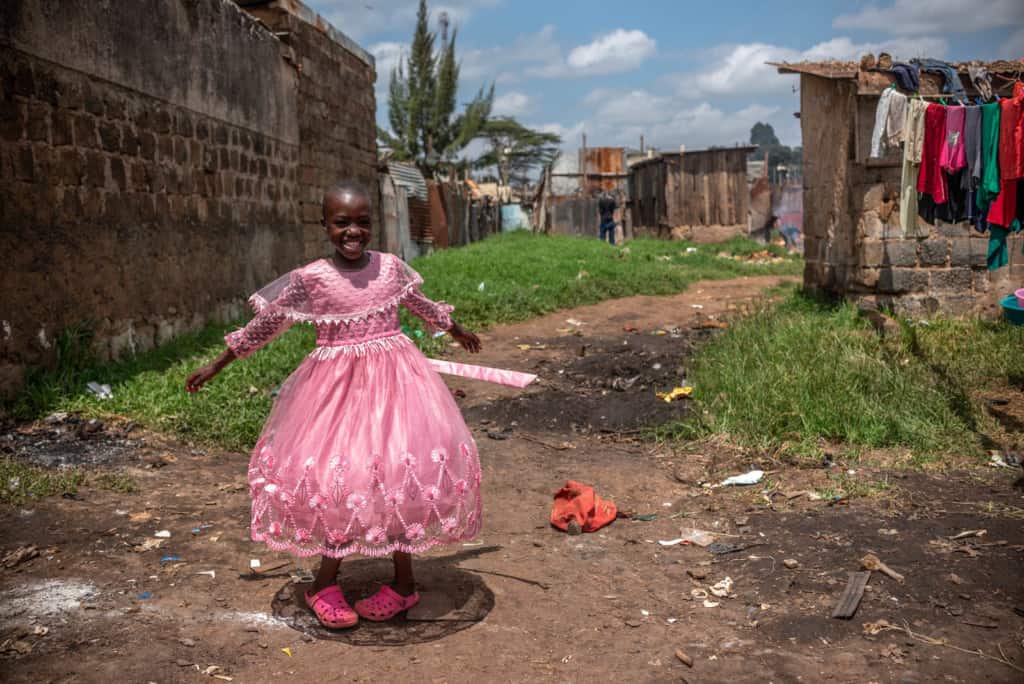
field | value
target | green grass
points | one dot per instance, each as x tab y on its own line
806	372
523	276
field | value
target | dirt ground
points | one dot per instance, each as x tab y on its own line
106	600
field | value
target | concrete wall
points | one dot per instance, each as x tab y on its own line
153	167
854	246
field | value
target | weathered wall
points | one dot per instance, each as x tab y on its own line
854	246
337	111
700	195
154	161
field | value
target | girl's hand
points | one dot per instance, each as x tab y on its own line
200	377
467	339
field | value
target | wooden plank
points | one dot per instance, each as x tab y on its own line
852	595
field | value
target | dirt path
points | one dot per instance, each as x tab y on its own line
526	602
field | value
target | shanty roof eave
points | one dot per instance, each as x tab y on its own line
820	70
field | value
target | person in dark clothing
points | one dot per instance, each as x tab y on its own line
606	207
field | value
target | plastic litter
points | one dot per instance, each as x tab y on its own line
211	573
254	563
676	393
163	534
708	603
748	478
287	651
145	595
171	559
722	589
480	287
99	391
697	537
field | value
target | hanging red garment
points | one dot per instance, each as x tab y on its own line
930	178
578	502
1003	209
1011	135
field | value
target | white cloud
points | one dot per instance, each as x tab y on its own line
528	54
614	52
361	18
1013	48
667	121
387	56
512	103
919	17
741	70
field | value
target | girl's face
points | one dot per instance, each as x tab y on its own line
348	223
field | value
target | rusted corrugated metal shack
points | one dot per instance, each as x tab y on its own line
700	195
566	202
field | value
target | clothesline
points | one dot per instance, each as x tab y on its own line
961	162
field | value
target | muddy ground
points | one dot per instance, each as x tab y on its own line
106	600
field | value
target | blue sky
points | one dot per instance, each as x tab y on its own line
678	72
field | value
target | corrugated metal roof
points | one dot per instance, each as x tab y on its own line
409	177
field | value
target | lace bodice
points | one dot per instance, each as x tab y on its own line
347	307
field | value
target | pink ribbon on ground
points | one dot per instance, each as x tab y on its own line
485	373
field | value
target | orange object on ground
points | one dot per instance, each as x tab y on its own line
578	502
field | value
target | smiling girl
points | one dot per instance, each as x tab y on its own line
365	450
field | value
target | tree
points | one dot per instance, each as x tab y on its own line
515	150
422	98
791	158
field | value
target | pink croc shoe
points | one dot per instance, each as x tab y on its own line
385	604
331	609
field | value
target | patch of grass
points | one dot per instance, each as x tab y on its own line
20	482
523	275
806	372
116	482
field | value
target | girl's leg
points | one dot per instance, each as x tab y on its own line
327	574
403	583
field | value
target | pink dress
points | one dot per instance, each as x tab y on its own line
365	451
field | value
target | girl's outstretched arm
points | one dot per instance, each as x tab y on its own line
203	375
438	316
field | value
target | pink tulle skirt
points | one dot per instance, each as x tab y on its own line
365	451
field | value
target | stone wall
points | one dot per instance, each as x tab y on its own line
853	244
154	167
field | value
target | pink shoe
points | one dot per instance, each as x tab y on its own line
331	609
385	604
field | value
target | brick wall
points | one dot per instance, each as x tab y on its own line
155	167
336	111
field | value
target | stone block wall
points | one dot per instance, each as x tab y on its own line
152	168
854	245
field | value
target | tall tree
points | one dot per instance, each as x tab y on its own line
422	98
515	150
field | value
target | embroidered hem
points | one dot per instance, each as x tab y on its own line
381	344
356	547
259	305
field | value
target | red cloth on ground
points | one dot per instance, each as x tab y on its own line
930	178
578	502
1011	135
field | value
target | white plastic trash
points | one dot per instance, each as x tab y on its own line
751	478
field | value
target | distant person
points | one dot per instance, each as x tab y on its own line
764	234
606	207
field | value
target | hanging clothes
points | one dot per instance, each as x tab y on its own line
907	76
989	186
951	79
881	117
1011	135
930	178
890	119
954	155
954	209
972	146
981	80
913	135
